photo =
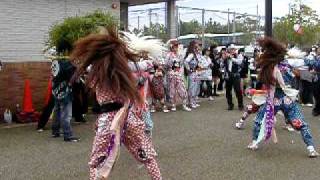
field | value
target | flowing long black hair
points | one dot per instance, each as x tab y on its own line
108	57
273	54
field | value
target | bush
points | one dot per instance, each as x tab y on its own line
63	35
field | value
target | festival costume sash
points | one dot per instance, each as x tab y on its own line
114	147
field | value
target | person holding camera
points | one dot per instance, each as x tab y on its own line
232	68
192	58
176	85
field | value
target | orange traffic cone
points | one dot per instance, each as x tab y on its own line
49	92
27	98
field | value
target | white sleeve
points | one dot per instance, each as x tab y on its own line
146	65
143	65
238	60
189	58
132	66
278	77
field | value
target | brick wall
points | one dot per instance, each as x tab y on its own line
12	79
24	24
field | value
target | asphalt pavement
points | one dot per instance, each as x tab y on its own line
197	145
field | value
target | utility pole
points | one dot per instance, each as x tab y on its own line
228	24
289	13
177	19
268	21
157	24
150	18
138	22
179	16
234	28
203	26
257	22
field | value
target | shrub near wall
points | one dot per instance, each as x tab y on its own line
63	35
12	79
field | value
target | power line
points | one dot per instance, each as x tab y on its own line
218	11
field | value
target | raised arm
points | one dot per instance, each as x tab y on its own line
187	60
238	60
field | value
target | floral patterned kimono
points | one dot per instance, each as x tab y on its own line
157	85
177	89
192	65
280	98
120	126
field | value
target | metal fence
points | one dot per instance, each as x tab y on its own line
221	26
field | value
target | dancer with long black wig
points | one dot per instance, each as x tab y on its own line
280	97
111	79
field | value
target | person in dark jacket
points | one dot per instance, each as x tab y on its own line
79	106
62	71
216	73
232	67
244	70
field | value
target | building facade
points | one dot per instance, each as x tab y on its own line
24	26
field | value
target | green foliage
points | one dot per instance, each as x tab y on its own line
216	27
157	30
192	27
307	18
209	42
243	24
63	35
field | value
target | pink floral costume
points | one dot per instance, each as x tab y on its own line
177	89
112	128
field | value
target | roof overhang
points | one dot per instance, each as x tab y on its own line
141	2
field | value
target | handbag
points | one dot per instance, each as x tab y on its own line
7	116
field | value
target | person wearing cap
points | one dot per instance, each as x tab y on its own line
232	67
176	85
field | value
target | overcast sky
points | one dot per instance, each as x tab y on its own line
280	8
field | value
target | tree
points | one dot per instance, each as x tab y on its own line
63	35
243	24
157	30
307	18
247	25
192	27
216	27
